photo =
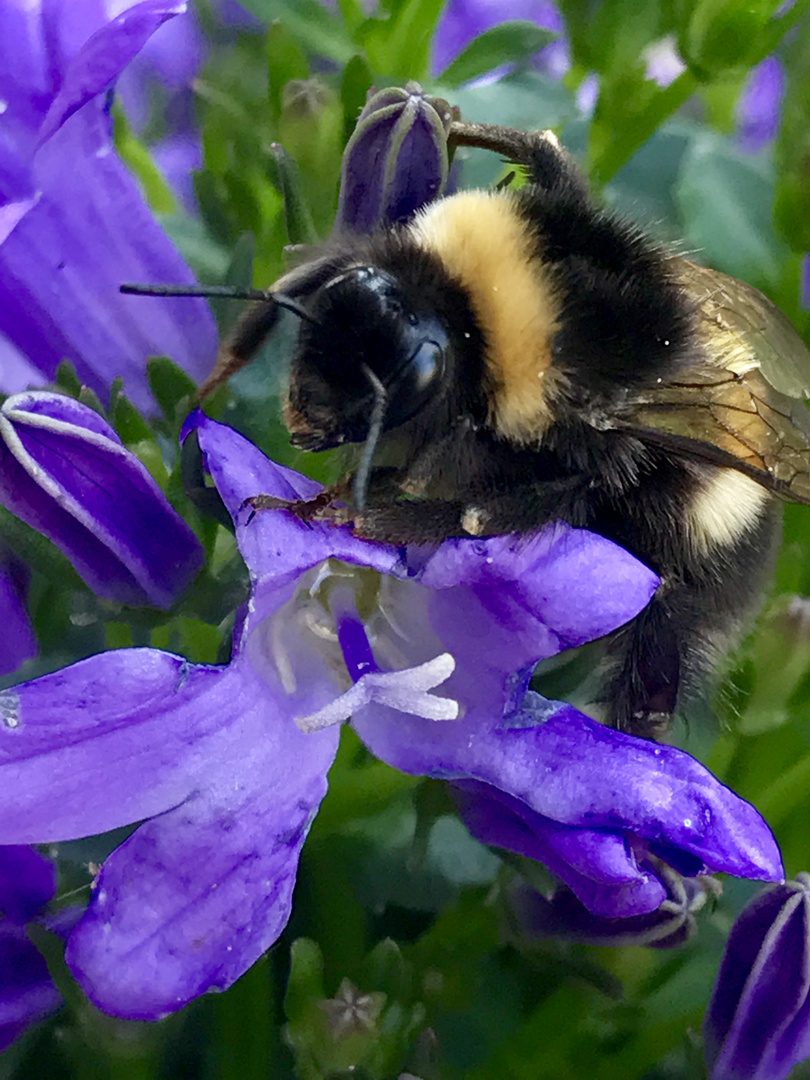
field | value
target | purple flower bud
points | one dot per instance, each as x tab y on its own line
64	471
561	915
757	1025
396	160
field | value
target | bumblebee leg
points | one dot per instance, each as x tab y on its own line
539	152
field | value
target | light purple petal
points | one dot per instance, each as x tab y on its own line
65	473
577	772
195	896
103	56
274	543
74	227
759	107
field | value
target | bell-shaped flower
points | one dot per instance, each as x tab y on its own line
27	994
757	1025
395	161
73	223
760	105
224	767
65	472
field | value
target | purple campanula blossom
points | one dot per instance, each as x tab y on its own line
65	472
73	224
27	994
757	1025
395	161
760	104
225	767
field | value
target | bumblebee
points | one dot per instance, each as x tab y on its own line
512	357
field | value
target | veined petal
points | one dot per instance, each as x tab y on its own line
65	472
572	770
196	895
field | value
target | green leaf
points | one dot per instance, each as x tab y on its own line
170	385
136	156
723	34
508	43
67	379
726	203
36	550
285	61
354	87
316	29
298	217
90	398
398	47
629	110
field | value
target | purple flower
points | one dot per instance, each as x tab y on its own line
27	994
73	225
757	1025
226	766
395	161
462	21
17	640
760	105
64	471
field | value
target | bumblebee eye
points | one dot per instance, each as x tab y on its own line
426	365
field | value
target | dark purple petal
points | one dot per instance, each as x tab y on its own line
27	883
103	56
395	161
26	991
18	641
64	471
757	1025
804	285
600	867
759	107
576	772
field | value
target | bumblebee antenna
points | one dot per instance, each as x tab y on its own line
360	485
230	292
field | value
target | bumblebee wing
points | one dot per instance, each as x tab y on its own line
743	407
746	328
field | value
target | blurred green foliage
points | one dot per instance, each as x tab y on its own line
396	906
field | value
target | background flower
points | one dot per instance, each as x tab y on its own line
73	223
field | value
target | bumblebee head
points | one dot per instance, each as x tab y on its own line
368	351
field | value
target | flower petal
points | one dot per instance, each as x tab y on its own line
26	991
27	883
196	895
598	867
17	639
574	771
65	472
103	56
274	543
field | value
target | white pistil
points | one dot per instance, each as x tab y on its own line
406	691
